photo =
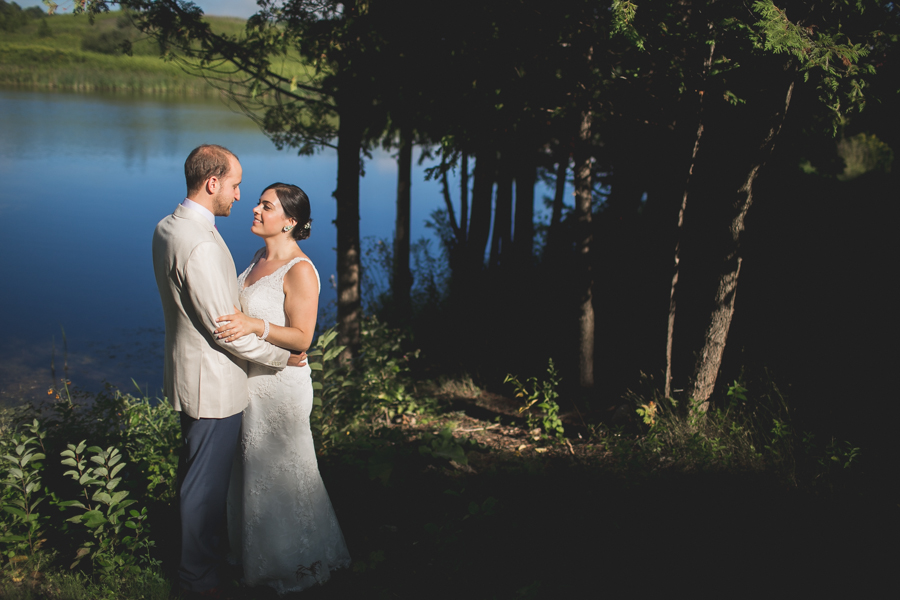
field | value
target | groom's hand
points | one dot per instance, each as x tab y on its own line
297	359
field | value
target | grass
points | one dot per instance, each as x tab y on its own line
57	69
59	60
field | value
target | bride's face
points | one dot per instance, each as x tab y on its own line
268	216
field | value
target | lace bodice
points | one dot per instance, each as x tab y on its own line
264	299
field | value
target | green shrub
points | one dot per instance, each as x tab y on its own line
113	42
366	393
12	17
108	541
862	154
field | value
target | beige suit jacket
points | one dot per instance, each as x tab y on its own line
204	377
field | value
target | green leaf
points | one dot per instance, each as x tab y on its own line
116	469
70	462
101	496
14	511
93	519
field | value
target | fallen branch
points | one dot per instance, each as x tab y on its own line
495	425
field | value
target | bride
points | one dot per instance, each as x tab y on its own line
281	525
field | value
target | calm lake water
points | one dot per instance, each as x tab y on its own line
85	180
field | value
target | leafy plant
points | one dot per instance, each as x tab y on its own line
541	395
648	412
22	529
103	510
444	445
150	436
367	393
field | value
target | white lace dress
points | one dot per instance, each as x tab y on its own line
281	525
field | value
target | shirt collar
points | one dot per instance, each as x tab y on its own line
188	203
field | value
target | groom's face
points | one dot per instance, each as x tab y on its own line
229	189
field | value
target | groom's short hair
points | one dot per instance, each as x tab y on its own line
208	160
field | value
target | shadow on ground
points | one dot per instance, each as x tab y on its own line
518	523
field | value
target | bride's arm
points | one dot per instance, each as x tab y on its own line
301	306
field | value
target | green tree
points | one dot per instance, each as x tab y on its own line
736	73
301	69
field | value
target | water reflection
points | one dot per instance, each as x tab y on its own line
85	180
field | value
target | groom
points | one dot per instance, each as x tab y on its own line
205	379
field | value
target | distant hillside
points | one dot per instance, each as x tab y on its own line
65	51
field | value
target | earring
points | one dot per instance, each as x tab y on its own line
286	228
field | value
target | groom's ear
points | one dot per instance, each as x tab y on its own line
212	184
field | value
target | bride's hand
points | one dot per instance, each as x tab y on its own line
236	326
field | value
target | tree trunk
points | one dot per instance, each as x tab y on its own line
500	240
347	195
480	222
523	233
710	357
402	278
583	197
554	239
464	197
670	328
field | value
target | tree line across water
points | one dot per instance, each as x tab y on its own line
682	126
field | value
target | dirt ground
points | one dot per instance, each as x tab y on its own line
527	519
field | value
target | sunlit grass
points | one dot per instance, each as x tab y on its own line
58	61
55	68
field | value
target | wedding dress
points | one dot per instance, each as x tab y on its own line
281	524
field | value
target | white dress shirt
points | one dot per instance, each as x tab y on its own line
188	203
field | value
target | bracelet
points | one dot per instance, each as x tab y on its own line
265	330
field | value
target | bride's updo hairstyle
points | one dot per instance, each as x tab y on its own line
295	203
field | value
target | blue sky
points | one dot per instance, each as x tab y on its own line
228	8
